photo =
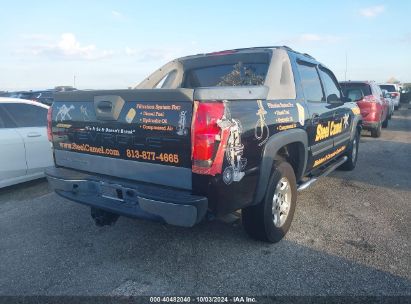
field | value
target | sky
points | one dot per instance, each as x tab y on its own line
116	44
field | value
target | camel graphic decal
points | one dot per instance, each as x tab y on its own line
345	120
64	113
84	113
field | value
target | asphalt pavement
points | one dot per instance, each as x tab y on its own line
350	236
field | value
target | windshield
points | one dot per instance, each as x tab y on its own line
389	88
355	91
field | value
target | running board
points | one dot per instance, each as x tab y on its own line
330	169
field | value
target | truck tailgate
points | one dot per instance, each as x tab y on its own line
142	135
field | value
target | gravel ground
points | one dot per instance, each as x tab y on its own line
350	236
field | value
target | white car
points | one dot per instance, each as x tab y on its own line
394	90
391	103
25	151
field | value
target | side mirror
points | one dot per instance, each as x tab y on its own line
346	99
333	99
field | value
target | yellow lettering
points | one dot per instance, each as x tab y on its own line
336	128
322	132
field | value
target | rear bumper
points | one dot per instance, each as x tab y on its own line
128	198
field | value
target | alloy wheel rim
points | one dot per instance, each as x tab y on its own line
281	202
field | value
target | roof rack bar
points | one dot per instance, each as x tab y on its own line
285	47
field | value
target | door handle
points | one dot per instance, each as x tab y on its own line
315	119
33	134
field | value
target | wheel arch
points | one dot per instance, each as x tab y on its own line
356	126
270	151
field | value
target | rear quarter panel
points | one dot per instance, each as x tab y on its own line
258	121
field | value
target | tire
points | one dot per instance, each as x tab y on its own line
352	154
258	220
376	132
385	123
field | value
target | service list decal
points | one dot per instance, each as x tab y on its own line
284	115
156	117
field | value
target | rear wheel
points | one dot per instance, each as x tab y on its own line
270	220
385	122
376	132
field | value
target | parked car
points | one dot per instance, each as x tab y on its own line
42	96
395	92
390	100
64	89
406	94
373	106
24	148
45	97
239	129
27	95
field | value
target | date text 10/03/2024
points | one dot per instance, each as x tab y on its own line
207	299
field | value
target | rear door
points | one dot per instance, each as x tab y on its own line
320	111
31	121
342	114
142	135
12	151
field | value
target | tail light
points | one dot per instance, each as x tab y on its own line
49	126
395	94
207	138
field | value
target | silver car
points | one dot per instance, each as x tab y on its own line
391	102
394	91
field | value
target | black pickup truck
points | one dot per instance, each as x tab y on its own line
206	134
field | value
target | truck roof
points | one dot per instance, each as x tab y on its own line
245	50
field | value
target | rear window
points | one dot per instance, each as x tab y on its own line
5	120
389	88
355	91
227	75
